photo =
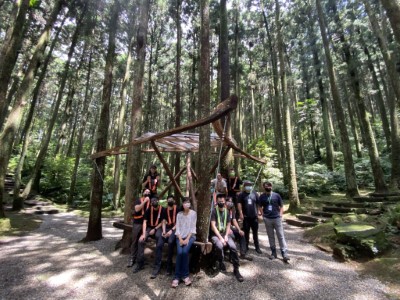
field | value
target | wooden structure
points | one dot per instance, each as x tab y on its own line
177	140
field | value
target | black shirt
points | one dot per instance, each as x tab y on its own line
158	216
222	215
138	215
170	216
234	186
152	186
271	205
249	202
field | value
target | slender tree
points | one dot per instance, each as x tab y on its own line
94	231
392	8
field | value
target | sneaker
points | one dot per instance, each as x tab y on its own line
285	258
246	257
238	276
175	283
130	263
258	250
222	267
138	268
273	255
187	281
155	273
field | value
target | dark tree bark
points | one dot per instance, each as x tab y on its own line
292	180
9	53
352	189
204	199
94	231
134	157
392	8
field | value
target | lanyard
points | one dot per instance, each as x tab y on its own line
219	220
158	217
173	216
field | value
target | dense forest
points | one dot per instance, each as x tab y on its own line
317	82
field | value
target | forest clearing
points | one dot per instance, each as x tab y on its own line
220	128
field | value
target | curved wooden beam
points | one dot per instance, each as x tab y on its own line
220	111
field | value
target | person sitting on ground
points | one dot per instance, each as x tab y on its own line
151	180
139	208
248	212
169	227
220	226
152	223
272	209
236	233
185	236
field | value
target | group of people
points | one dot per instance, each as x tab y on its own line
177	226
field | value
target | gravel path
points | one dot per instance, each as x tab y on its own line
49	263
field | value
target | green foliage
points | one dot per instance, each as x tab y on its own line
315	179
34	3
393	215
57	173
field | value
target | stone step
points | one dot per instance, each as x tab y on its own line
326	214
336	209
47	211
34	202
384	199
353	204
310	218
300	223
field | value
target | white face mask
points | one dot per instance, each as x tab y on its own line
186	205
248	188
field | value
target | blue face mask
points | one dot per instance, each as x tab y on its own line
248	188
212	191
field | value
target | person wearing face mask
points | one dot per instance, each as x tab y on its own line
220	228
248	212
236	233
271	206
234	183
152	223
185	237
139	207
168	229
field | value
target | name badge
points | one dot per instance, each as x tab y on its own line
249	202
269	207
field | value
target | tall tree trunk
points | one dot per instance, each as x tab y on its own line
9	53
46	140
178	108
352	189
78	152
203	200
134	157
367	132
94	231
392	8
292	180
121	126
11	127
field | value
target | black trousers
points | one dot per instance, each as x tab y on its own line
219	249
136	232
251	223
159	245
240	239
171	240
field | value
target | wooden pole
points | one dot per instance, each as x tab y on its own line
170	183
166	167
226	151
189	182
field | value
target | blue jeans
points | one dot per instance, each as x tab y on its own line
182	259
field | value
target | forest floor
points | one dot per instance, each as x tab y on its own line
51	263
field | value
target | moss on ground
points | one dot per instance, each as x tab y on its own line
321	234
18	224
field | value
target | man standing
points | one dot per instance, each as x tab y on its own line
272	209
152	223
139	207
234	184
169	227
248	212
219	185
220	226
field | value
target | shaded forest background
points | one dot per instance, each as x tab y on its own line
318	83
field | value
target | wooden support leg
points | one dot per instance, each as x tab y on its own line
170	183
226	151
189	182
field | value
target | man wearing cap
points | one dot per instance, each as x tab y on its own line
248	212
152	223
271	206
139	208
220	227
